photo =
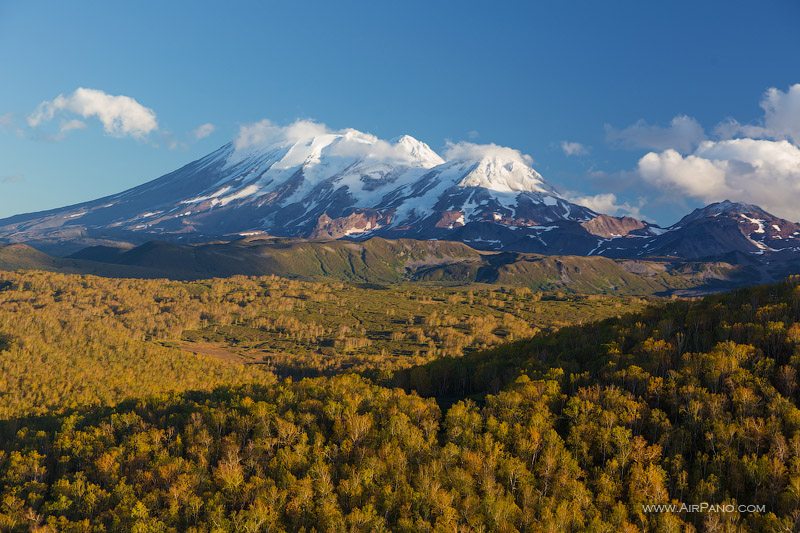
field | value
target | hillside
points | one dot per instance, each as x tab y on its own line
306	181
21	256
24	257
384	261
589	275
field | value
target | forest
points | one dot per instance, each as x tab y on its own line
338	407
72	341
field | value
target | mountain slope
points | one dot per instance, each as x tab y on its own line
24	257
385	261
389	261
724	230
305	180
726	227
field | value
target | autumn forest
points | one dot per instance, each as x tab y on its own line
270	404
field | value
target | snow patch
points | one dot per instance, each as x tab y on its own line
247	191
198	199
757	222
655	230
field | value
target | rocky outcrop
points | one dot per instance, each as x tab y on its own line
608	227
353	224
451	219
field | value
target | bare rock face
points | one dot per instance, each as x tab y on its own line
451	219
354	224
608	227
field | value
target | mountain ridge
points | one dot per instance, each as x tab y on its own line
282	180
306	181
387	261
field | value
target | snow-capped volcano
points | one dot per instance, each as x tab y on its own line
418	149
285	165
496	168
308	181
305	179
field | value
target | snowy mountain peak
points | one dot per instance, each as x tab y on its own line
306	143
726	208
503	175
307	179
496	168
419	150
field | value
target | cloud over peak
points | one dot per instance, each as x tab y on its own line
347	142
467	151
754	163
265	132
757	171
120	115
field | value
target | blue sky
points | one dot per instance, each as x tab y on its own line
526	76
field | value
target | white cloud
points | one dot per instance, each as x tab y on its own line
782	113
754	163
203	130
69	125
607	203
692	175
64	128
683	134
264	132
120	115
571	148
473	134
781	118
466	151
13	178
762	172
